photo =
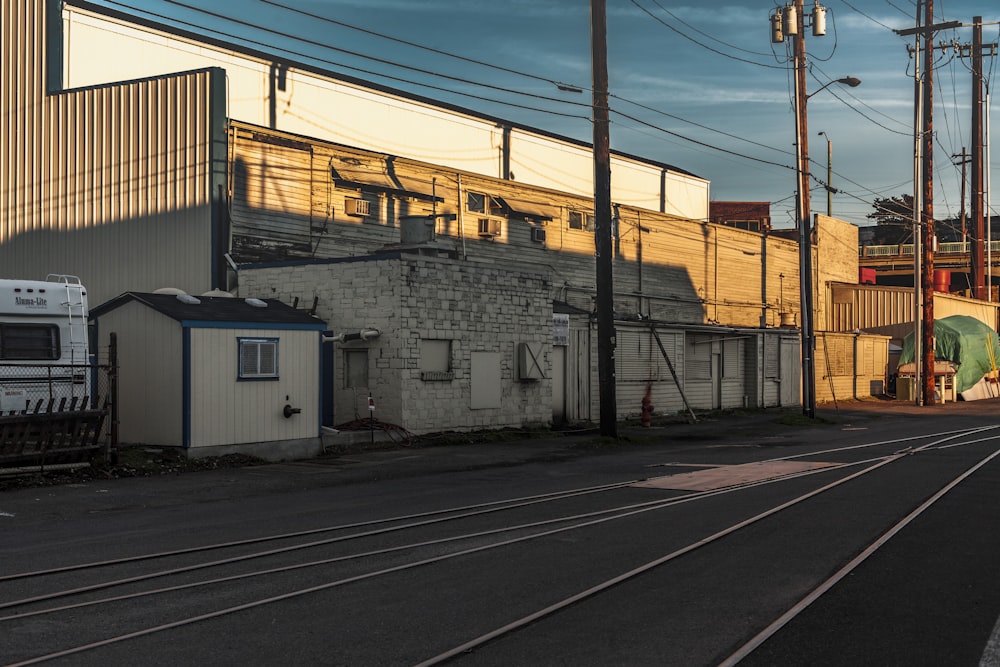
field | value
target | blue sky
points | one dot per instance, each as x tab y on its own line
695	85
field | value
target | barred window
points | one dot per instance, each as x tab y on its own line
258	358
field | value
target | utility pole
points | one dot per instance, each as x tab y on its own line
791	20
927	274
804	217
918	195
602	219
978	258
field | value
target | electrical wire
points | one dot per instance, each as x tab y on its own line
384	61
366	71
704	46
705	34
422	47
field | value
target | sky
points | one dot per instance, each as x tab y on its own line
699	86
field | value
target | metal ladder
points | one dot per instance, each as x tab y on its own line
77	315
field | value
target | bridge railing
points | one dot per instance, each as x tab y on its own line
906	249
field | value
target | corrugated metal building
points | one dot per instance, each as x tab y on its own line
162	180
112	181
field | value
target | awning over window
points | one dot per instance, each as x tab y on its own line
369	177
529	210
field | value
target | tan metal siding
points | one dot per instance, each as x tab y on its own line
273	190
111	183
847	365
150	390
227	411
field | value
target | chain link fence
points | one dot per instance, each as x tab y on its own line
57	413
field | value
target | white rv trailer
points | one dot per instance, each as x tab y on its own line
43	345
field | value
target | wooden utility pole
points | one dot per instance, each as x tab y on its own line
927	272
804	219
978	258
602	220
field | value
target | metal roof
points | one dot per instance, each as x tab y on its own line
186	308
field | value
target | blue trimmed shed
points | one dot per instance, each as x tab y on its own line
216	374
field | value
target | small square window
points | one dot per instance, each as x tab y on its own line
581	220
478	202
435	360
258	358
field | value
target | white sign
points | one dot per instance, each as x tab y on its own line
560	329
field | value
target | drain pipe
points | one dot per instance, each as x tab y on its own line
364	334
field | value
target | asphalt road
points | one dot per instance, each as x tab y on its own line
868	538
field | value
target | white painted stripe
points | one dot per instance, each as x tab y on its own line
991	656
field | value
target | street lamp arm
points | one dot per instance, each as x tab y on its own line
851	81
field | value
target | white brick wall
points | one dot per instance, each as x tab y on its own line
480	308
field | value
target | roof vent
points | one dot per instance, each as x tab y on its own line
188	299
256	303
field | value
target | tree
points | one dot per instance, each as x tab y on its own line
893	218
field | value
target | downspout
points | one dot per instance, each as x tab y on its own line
663	191
505	153
763	280
856	336
638	250
461	216
715	279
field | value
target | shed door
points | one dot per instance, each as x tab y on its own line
791	375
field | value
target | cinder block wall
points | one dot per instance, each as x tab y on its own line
410	298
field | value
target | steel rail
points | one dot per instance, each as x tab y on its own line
621	512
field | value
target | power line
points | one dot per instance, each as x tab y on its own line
415	45
376	59
705	34
704	46
360	69
704	127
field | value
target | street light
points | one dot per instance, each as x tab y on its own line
829	174
851	81
791	20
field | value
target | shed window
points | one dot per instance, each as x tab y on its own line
258	358
29	341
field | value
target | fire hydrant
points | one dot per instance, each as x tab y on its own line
647	406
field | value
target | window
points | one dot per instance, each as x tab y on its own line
698	357
29	341
732	358
481	203
435	360
356	369
580	220
258	358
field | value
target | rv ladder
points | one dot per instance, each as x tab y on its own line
77	315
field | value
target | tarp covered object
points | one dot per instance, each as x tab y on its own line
965	341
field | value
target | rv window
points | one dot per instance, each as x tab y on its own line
258	358
29	341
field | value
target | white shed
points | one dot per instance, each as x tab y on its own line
215	374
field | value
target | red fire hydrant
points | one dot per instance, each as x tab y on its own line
647	406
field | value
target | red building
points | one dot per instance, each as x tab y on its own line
752	215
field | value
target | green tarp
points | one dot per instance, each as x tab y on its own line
965	341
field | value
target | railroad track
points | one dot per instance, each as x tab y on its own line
89	612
